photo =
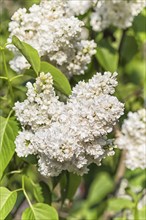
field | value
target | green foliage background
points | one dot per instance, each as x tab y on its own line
95	199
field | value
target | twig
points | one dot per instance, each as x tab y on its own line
121	168
18	212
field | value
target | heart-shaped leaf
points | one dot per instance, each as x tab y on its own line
40	211
7	201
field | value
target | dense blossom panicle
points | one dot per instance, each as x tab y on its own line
119	13
39	107
55	34
132	139
68	136
80	7
85	50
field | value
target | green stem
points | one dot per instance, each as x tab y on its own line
136	217
18	190
10	113
14	172
120	170
28	200
23	188
7	76
16	77
3	77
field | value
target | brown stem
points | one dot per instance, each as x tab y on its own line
121	169
121	166
18	212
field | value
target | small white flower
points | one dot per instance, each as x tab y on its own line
24	145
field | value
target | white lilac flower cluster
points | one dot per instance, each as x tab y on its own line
80	7
132	139
119	13
72	135
55	34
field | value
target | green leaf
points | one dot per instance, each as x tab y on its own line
69	183
136	178
107	59
34	187
118	204
133	195
9	217
74	181
135	70
31	159
40	211
61	83
56	180
30	72
139	27
37	190
101	186
129	48
8	133
46	192
28	52
64	185
7	201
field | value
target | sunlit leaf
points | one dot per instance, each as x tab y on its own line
40	211
37	190
8	132
101	186
28	52
7	201
61	83
107	59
